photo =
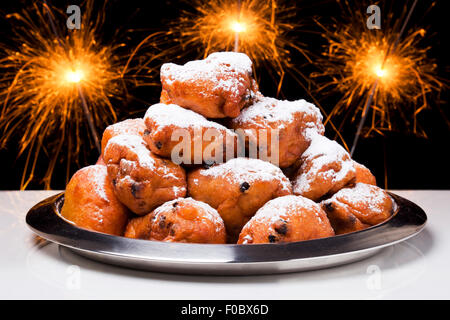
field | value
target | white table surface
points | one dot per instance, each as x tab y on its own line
35	269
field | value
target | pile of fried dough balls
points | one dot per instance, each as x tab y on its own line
137	190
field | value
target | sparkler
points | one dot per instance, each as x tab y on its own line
75	76
255	27
377	70
44	77
380	72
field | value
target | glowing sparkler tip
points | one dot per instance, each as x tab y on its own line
380	72
74	76
238	27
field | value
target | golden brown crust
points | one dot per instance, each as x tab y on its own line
286	219
139	227
129	126
90	202
357	208
237	196
363	174
180	220
141	180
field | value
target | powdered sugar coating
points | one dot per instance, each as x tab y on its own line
98	177
164	115
269	110
229	63
216	87
208	212
123	126
128	126
284	128
135	144
178	191
372	196
285	219
277	207
321	153
141	180
144	159
240	61
249	170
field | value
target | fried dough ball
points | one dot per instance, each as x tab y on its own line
129	126
325	169
216	87
363	174
358	208
90	202
139	227
294	122
142	181
287	219
237	189
191	137
179	220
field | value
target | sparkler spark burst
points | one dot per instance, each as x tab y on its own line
238	26
401	74
261	28
74	76
42	77
353	62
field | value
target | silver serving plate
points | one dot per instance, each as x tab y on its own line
227	259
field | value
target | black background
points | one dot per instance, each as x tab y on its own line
408	161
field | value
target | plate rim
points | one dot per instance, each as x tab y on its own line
44	220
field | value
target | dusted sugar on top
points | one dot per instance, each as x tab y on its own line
202	141
268	110
216	87
373	197
275	208
129	126
179	220
224	62
142	180
282	126
249	170
287	219
208	213
358	207
326	168
138	153
160	116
